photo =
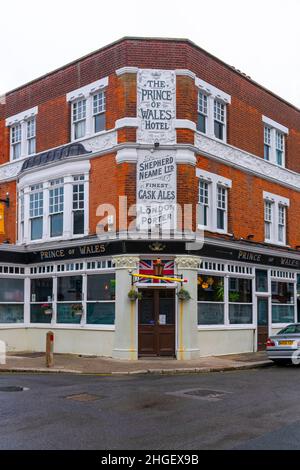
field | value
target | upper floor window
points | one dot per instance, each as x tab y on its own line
274	141
31	136
219	119
79	118
275	208
88	106
99	111
16	141
213	201
22	134
212	104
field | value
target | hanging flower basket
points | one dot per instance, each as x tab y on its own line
183	294
47	309
133	295
77	309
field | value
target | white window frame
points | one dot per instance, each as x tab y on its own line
214	182
276	203
214	95
229	270
276	132
22	119
87	93
67	171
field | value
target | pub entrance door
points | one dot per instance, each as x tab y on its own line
156	329
262	322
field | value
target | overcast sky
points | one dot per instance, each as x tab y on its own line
259	37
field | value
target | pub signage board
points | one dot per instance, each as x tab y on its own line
156	190
156	106
117	247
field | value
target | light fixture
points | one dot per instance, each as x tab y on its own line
158	267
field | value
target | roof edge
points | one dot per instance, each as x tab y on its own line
150	38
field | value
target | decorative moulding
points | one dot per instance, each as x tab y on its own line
126	262
101	142
276	198
246	161
187	262
10	170
10	121
86	90
124	70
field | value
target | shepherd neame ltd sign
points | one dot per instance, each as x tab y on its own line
156	96
156	190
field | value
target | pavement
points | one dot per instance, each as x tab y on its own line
78	364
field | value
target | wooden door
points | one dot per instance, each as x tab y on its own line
156	329
262	322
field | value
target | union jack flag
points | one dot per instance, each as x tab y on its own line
146	266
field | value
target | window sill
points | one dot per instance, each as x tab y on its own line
214	230
62	326
212	136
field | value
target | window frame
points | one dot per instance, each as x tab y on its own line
272	217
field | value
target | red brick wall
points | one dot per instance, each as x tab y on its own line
246	204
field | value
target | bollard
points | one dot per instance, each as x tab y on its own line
49	349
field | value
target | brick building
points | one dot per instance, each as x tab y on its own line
162	124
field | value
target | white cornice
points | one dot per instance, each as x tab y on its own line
245	161
212	90
126	155
185	124
65	168
186	72
186	156
275	124
126	122
124	70
10	121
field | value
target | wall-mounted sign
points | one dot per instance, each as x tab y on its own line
156	106
156	190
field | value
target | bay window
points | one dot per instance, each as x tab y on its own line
36	206
204	202
56	207
78	205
